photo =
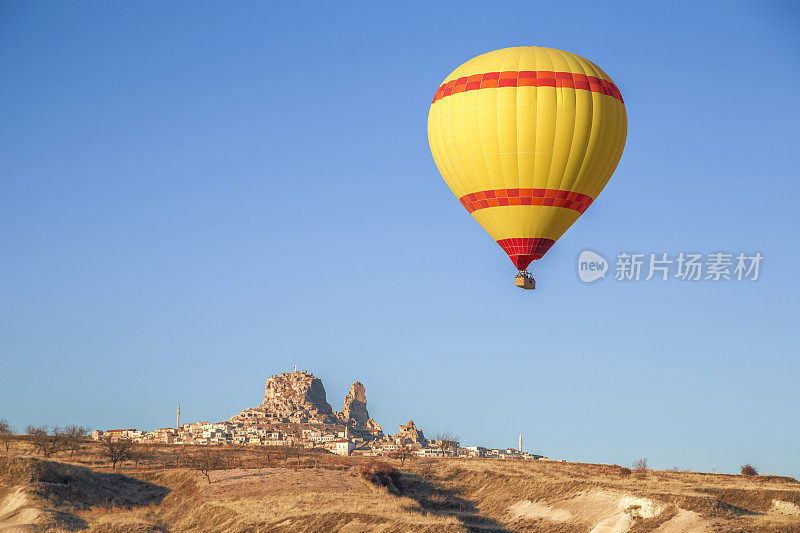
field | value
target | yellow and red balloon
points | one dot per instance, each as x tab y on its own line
526	138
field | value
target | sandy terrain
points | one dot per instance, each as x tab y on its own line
328	493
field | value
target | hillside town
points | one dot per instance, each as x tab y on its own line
295	412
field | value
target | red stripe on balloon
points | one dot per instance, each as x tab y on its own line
528	78
545	197
522	251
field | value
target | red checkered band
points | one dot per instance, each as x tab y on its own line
524	250
528	78
547	197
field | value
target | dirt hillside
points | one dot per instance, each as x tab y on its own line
350	495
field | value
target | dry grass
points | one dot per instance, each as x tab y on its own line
329	493
732	501
14	472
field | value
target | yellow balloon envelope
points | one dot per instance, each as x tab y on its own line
526	138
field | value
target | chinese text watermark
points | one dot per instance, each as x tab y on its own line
717	266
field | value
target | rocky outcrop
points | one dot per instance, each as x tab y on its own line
354	413
297	397
409	432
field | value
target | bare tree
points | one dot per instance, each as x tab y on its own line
116	450
299	451
141	452
5	434
640	465
46	442
74	437
35	433
284	452
206	460
179	451
402	453
445	441
426	469
268	453
149	451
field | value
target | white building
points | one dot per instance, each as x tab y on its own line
340	447
429	452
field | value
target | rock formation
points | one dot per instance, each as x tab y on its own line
354	413
410	432
298	396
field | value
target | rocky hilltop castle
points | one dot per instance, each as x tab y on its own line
299	398
295	412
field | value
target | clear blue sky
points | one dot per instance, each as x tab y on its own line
194	196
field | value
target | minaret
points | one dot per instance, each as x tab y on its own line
178	423
520	442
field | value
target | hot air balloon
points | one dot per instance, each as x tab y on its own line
526	138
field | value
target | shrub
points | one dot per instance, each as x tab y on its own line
381	474
624	472
426	469
749	470
640	465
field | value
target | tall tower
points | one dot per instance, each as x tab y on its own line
520	442
178	422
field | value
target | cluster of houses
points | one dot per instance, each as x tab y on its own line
227	433
295	413
221	433
433	449
337	439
